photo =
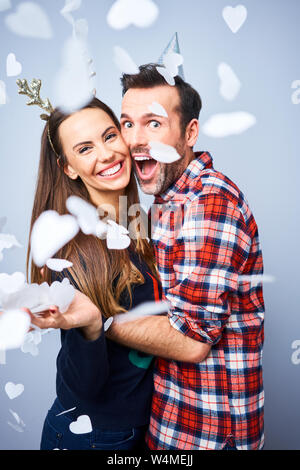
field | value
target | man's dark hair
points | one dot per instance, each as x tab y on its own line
148	77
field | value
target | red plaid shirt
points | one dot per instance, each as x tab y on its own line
205	237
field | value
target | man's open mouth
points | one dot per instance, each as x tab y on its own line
145	166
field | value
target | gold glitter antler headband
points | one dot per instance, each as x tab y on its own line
35	99
34	95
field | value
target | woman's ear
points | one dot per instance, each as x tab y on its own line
70	172
192	132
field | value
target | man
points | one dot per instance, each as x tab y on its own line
213	397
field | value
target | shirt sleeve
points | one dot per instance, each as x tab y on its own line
82	364
210	251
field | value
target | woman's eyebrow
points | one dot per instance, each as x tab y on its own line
89	141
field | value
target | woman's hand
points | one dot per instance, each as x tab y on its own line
82	313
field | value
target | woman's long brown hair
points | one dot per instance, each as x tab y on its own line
101	274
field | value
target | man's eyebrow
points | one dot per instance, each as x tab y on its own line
124	115
144	116
89	141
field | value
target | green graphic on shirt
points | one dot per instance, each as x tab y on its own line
139	359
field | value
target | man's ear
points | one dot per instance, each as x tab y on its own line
70	172
192	132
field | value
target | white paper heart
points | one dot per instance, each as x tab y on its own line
142	310
117	236
5	5
13	67
158	109
50	233
124	62
13	390
85	213
82	425
141	13
229	82
30	20
32	339
8	241
58	264
28	295
235	17
62	294
3	97
172	60
11	283
72	84
14	324
163	153
223	125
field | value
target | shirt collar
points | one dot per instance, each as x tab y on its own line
177	191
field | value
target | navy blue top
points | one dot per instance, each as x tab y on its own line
110	383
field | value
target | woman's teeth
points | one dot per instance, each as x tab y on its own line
111	171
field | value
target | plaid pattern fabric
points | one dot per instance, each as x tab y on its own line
205	237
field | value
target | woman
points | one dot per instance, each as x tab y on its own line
83	154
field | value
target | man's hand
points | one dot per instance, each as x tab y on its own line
82	313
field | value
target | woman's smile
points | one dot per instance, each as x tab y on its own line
112	171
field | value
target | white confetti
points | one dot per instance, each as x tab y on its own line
172	61
58	264
81	29
230	85
14	324
3	221
223	125
50	233
66	411
86	214
13	390
3	97
124	62
158	109
108	323
117	236
7	241
82	425
142	310
13	67
256	278
235	17
30	20
11	283
141	13
163	153
70	5
73	83
2	356
17	427
5	5
32	339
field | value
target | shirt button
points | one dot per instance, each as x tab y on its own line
93	446
58	435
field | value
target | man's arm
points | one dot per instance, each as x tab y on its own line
154	335
214	247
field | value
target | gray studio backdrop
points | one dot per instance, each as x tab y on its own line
263	161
